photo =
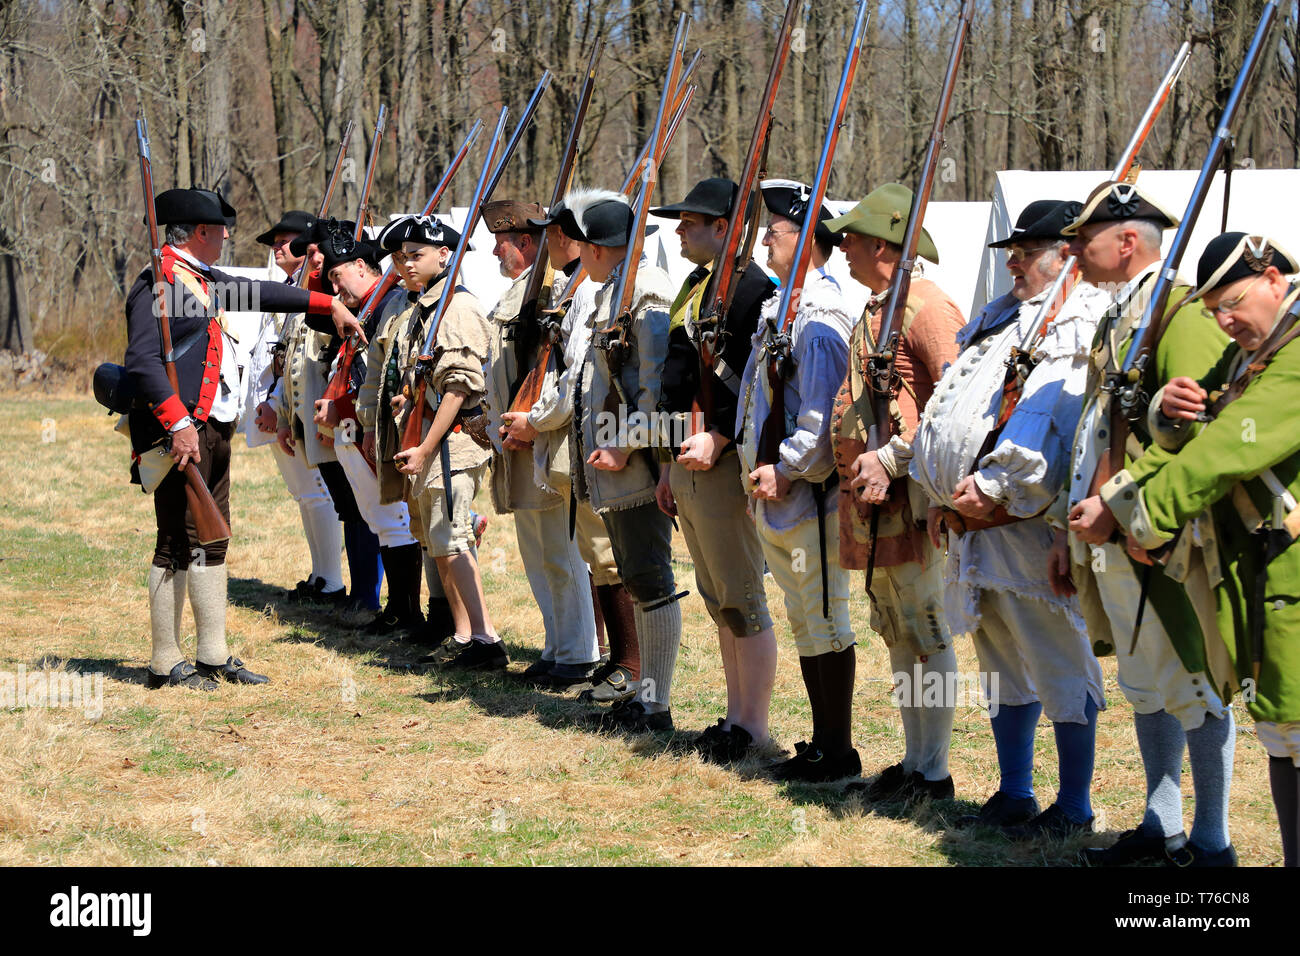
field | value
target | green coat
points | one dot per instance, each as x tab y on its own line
1191	343
1254	433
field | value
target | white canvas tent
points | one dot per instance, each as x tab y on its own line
1260	204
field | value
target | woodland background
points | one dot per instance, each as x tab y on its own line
251	97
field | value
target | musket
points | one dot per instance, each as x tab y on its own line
613	338
1127	384
209	524
493	170
390	277
882	374
777	342
341	388
742	223
1023	359
363	207
1128	400
682	102
337	173
526	388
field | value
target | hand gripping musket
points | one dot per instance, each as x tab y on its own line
342	389
209	525
742	229
1128	400
493	170
529	327
777	341
882	374
1024	358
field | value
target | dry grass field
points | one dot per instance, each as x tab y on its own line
349	757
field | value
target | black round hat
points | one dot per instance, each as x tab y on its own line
709	197
295	221
193	207
1042	219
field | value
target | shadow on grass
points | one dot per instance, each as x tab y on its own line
113	668
324	625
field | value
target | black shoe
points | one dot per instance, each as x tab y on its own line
481	656
232	672
182	675
611	684
632	718
892	783
386	621
709	736
1139	845
446	652
535	672
725	746
810	765
921	789
1001	811
1189	854
570	675
1052	822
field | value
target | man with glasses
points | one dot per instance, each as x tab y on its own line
1229	475
1164	673
994	486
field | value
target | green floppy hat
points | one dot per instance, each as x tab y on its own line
883	215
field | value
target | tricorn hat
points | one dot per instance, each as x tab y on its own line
598	216
294	221
709	197
883	215
339	248
1042	219
786	197
319	231
193	207
1237	255
1117	202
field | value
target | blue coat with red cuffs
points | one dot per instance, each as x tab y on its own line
198	370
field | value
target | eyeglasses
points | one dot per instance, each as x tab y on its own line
1021	253
778	233
1223	308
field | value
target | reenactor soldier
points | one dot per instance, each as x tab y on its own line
793	487
547	425
307	359
992	487
615	468
1170	675
703	489
352	268
1231	488
448	466
198	422
555	570
320	524
908	576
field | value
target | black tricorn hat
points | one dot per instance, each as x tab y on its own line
294	221
599	217
788	198
709	197
341	248
319	230
1238	255
193	207
553	217
1042	219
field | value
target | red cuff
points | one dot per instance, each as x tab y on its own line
320	303
315	282
170	412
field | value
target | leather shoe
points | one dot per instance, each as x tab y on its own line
1139	845
1001	811
1189	854
182	675
232	671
